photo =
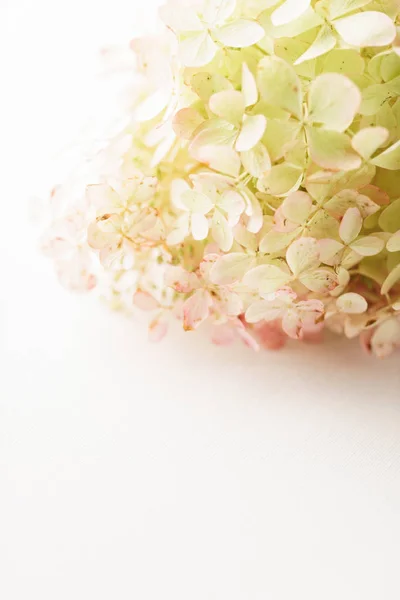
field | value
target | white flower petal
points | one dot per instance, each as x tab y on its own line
350	225
196	202
352	303
239	34
199	226
289	11
221	232
197	49
249	86
338	8
369	28
367	141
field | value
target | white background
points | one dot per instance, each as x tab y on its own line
177	471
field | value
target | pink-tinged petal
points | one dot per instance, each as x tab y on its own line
303	255
350	225
292	325
320	280
196	309
186	121
386	338
248	340
296	207
330	251
223	335
271	336
157	329
144	301
101	195
180	280
230	303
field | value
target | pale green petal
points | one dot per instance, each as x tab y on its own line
323	43
279	85
231	268
332	150
333	101
367	141
389	159
275	241
282	180
338	8
368	245
266	278
297	207
228	105
251	132
206	84
319	281
391	280
303	255
393	244
344	61
390	217
350	225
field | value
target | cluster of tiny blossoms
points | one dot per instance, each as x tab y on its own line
255	182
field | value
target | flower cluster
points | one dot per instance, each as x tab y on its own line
255	180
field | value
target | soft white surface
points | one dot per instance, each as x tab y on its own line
177	471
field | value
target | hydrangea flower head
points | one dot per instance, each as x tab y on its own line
253	182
